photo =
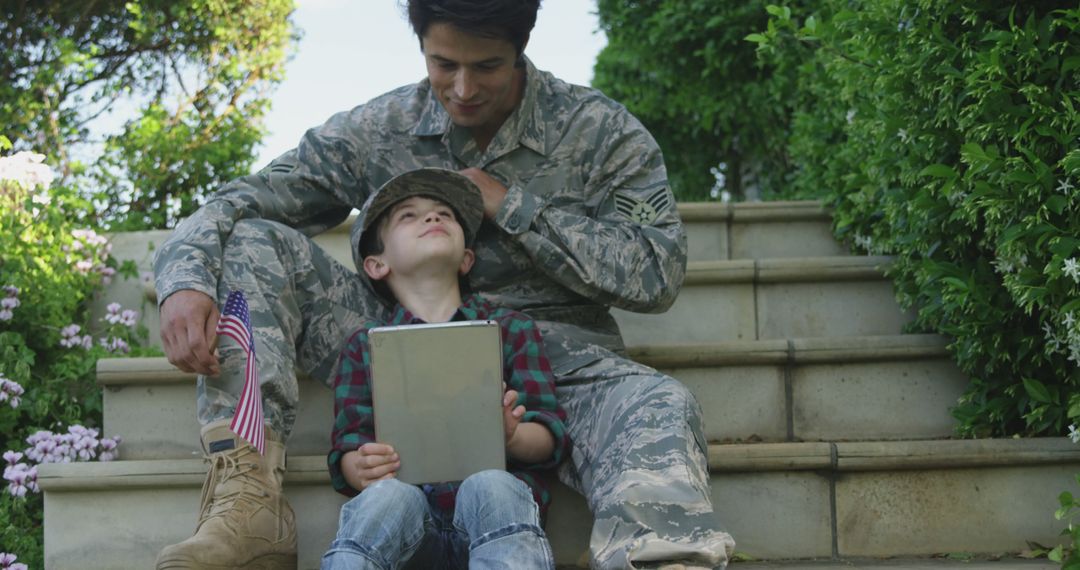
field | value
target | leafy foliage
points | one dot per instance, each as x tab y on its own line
946	134
684	68
195	74
50	271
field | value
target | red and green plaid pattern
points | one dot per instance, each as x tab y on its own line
525	369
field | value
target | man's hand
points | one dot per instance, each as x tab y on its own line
372	462
492	190
511	414
188	324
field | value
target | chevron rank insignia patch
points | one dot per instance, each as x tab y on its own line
646	211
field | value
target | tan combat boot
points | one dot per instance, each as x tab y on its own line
245	521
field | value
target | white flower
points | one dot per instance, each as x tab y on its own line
1074	434
1053	343
1068	321
1065	187
1003	266
1071	268
850	116
26	169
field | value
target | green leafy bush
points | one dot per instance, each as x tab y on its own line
946	134
684	69
49	272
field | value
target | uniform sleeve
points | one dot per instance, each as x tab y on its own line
354	420
308	188
629	250
528	371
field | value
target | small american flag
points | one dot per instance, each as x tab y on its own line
235	323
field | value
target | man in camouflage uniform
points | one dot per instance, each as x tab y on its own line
578	218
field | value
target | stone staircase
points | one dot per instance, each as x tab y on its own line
828	427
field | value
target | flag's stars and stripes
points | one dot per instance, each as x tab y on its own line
235	323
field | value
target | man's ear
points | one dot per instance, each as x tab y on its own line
375	268
467	262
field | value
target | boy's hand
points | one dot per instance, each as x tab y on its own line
372	462
511	414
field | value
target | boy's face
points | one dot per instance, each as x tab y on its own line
420	235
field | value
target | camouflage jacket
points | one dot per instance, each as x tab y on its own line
589	221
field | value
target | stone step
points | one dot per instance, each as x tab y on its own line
758	230
716	231
774	298
831	500
742	300
857	388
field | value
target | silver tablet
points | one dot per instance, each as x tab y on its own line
437	397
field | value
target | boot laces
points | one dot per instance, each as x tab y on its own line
225	467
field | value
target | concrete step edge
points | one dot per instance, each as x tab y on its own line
788	270
891	455
114	372
754	457
973	563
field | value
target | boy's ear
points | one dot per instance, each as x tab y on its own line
375	268
467	261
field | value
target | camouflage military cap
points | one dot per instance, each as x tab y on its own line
447	186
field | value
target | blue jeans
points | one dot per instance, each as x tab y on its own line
495	524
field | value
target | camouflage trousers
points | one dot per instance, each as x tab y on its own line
638	442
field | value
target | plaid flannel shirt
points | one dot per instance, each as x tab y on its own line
525	369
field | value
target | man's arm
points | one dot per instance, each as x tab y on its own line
307	188
631	251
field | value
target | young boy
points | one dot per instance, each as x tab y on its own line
414	241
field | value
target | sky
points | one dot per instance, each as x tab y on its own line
354	50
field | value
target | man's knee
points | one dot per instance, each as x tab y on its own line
251	235
657	397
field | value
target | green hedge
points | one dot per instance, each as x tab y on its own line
946	134
684	68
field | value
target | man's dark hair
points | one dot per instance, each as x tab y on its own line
510	20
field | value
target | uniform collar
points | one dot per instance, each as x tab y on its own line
525	126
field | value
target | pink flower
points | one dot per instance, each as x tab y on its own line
129	318
116	344
10	390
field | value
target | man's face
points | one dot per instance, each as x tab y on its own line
473	77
